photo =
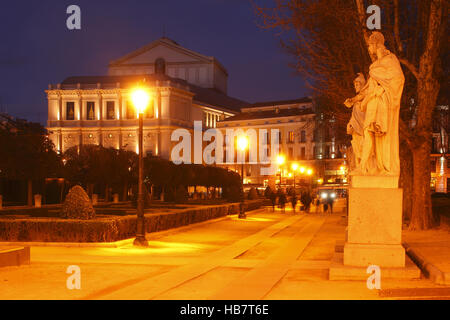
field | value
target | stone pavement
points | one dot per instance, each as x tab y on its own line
430	249
269	255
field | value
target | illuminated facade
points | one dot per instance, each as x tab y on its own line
440	164
185	86
306	140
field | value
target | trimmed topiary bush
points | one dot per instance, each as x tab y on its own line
77	205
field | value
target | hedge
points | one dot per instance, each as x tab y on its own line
109	229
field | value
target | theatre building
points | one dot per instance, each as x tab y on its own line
185	86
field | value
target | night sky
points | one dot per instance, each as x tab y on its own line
37	48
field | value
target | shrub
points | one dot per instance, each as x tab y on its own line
252	194
77	205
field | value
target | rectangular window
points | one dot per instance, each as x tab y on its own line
110	110
303	153
291	137
149	111
70	110
90	110
131	112
303	136
279	137
291	153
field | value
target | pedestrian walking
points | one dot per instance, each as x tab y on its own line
293	200
282	201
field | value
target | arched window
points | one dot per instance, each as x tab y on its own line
160	66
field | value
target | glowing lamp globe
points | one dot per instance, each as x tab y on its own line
242	143
140	99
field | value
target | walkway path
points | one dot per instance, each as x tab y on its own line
266	256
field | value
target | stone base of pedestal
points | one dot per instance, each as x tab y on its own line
374	232
14	256
339	271
382	255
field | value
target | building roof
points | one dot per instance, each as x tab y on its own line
281	102
275	113
209	96
171	44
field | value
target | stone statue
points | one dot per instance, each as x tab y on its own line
380	100
355	126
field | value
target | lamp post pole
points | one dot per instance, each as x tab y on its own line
242	214
140	222
140	100
294	180
242	144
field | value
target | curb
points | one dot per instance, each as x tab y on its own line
429	269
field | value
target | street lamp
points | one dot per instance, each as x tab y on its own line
294	168
280	161
242	144
140	99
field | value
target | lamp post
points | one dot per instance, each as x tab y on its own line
294	168
242	143
140	99
280	161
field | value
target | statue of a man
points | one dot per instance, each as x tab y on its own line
355	126
380	99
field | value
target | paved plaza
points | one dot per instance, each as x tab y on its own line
269	255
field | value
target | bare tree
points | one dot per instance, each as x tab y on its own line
328	39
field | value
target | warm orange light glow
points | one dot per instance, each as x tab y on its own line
302	169
295	166
281	159
140	99
309	172
242	143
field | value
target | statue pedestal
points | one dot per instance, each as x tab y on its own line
374	232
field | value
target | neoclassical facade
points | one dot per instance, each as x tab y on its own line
185	87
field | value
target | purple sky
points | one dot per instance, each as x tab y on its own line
37	49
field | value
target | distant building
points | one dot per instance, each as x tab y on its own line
185	86
306	139
440	164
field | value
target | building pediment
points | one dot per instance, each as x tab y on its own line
162	48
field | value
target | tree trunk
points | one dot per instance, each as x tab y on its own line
421	213
406	180
30	193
